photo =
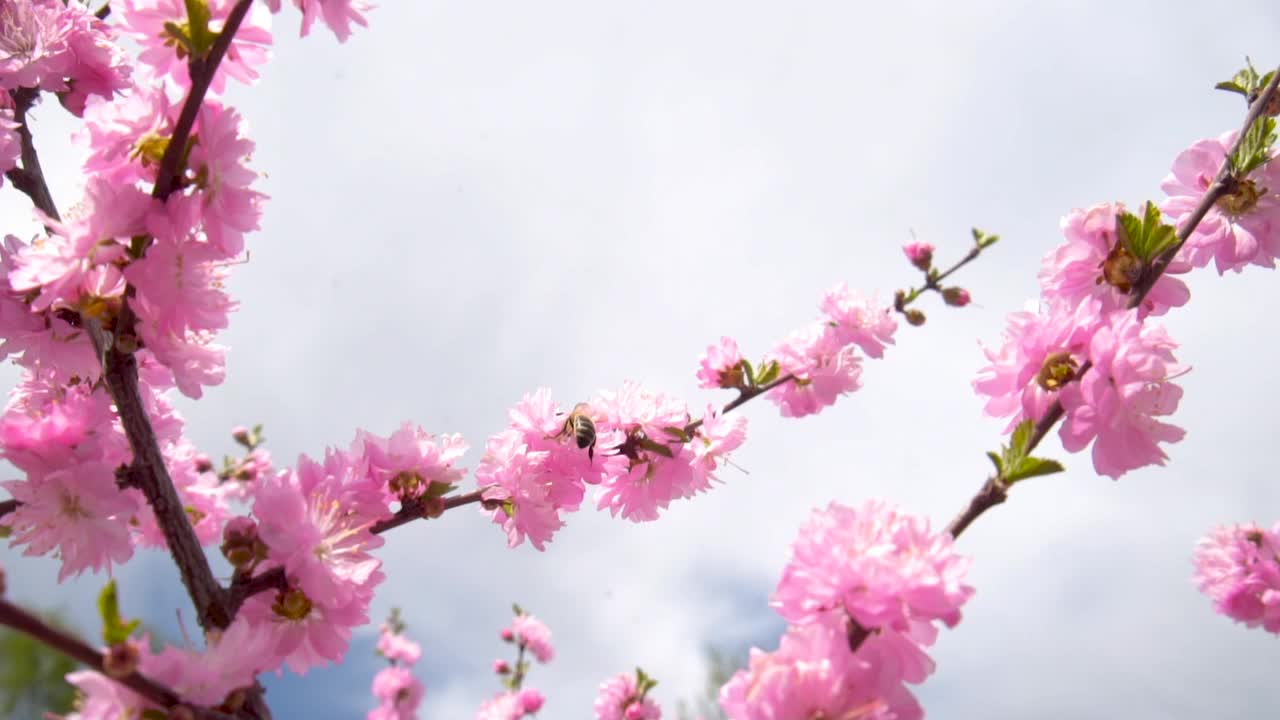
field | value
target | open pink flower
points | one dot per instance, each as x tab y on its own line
337	14
398	648
619	699
399	693
853	319
1241	229
812	674
883	568
534	635
516	492
824	369
59	47
1076	270
1040	355
720	365
1239	569
1116	403
148	21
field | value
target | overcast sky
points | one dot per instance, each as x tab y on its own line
474	199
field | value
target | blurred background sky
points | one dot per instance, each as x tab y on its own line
471	200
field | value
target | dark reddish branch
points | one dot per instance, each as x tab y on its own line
121	373
994	491
8	506
30	177
15	617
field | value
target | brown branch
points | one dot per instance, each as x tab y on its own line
201	72
30	177
121	373
15	617
994	491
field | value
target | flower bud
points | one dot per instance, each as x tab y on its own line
920	254
120	660
240	544
203	463
507	635
635	711
955	296
240	434
501	667
531	700
915	317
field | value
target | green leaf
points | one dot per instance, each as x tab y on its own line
983	239
515	608
748	372
768	373
995	460
114	629
1030	467
1148	237
201	36
1021	438
1255	148
1231	86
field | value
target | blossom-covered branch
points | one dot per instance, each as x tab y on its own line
1136	281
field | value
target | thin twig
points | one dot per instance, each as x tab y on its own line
993	491
15	617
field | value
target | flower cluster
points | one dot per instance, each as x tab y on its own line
1239	569
640	448
625	697
398	692
529	635
862	591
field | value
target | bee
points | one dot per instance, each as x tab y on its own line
582	429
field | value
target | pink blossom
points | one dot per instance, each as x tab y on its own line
75	510
126	138
315	522
400	694
1116	403
147	23
856	320
919	253
662	464
720	366
59	47
531	701
500	666
232	660
75	265
1239	569
305	634
337	14
1041	354
1241	229
397	647
504	706
222	177
1090	265
411	459
823	370
534	636
812	674
618	699
874	563
102	698
514	492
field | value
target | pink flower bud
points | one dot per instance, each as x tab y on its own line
955	296
501	667
531	700
240	434
635	711
507	635
920	254
203	463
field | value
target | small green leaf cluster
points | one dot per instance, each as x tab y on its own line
1014	463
